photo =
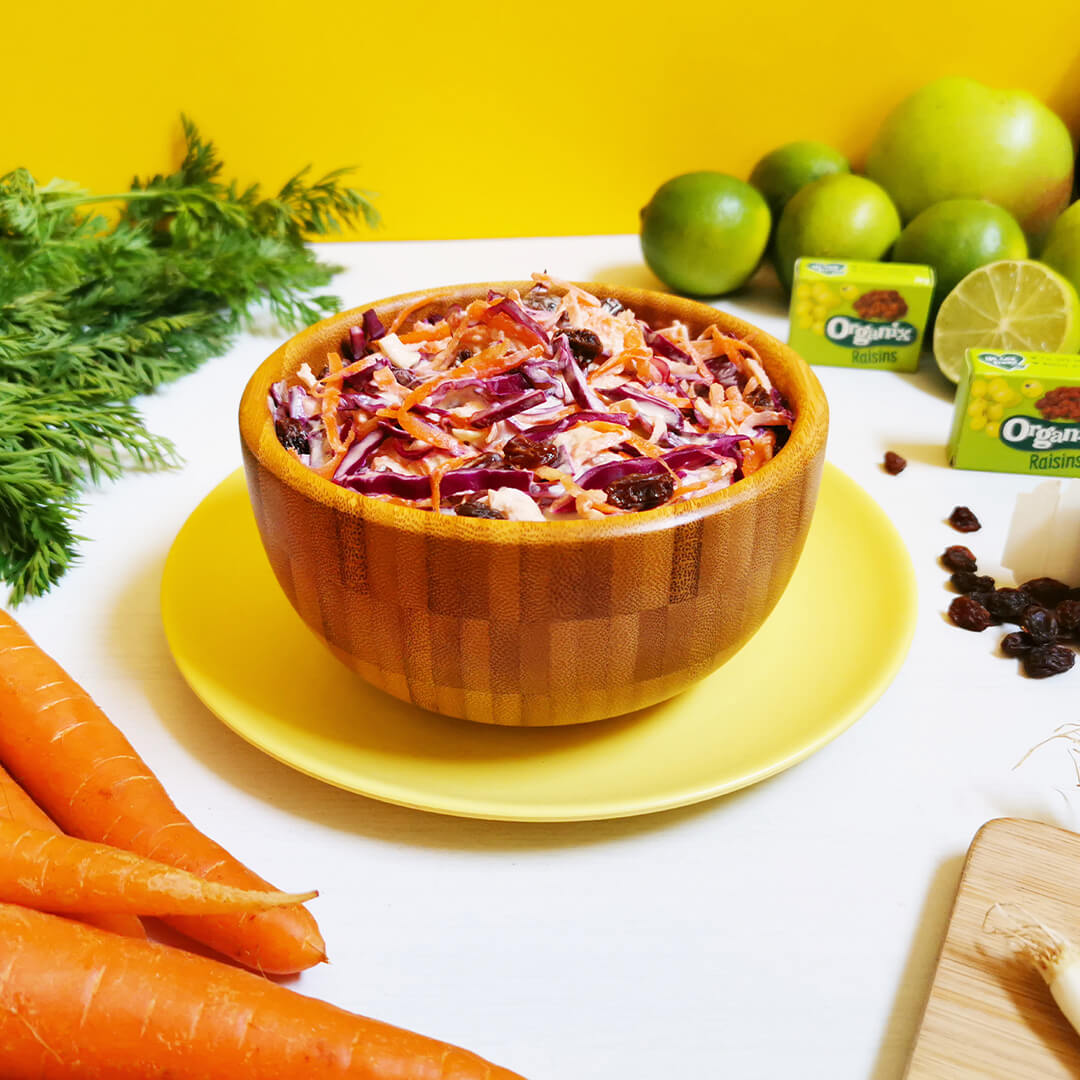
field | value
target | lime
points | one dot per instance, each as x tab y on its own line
784	171
704	233
836	217
1062	250
1011	304
958	236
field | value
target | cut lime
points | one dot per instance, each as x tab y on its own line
1013	304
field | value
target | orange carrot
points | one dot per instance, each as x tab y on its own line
52	872
78	1004
81	770
18	808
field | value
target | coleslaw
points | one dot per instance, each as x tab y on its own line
539	406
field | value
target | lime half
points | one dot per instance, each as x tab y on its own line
1013	304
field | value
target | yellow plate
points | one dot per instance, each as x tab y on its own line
830	648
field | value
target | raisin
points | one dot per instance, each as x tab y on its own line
1045	660
292	436
1017	643
894	463
759	399
1007	605
463	355
478	510
1047	591
611	306
959	557
966	582
584	344
641	491
1068	616
406	378
523	453
969	614
489	460
1041	624
963	520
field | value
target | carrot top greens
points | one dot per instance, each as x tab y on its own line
96	310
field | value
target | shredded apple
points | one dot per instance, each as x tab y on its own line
552	404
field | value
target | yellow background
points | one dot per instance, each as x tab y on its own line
495	119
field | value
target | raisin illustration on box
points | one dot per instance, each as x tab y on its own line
860	314
1017	412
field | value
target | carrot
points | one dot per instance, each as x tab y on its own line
81	770
52	872
78	1004
16	807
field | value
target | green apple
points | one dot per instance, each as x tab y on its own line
958	139
1062	250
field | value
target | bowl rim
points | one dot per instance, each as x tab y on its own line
807	438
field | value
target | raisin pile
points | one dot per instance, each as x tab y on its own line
1062	403
885	305
1046	610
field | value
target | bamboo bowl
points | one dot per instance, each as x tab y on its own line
534	623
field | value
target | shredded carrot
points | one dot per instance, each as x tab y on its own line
420	429
440	470
405	312
636	441
585	498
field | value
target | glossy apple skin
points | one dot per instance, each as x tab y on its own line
958	139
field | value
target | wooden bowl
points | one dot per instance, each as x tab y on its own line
534	623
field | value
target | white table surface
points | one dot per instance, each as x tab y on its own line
788	930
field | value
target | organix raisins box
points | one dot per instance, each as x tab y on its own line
1017	412
860	314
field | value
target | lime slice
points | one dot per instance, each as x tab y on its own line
1014	304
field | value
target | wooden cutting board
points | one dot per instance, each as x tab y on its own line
989	1016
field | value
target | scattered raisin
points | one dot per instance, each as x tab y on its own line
463	355
478	510
1047	591
959	557
894	463
963	520
523	453
966	582
292	436
1017	643
1041	624
1045	660
1068	616
641	491
584	344
1007	605
406	378
969	614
